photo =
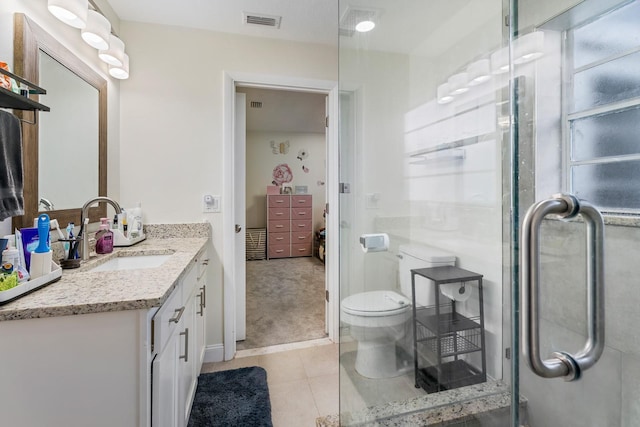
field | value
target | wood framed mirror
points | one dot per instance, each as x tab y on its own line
34	51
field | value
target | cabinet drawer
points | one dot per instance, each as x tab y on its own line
301	225
279	201
301	249
300	237
302	201
300	213
278	213
279	226
164	322
279	239
279	251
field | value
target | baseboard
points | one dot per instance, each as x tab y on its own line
214	353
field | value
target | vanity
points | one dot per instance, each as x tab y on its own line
110	345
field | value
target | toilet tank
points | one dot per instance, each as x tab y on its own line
414	256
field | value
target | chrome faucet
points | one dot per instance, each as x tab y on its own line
48	206
85	214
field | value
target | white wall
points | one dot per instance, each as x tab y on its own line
70	38
171	121
260	163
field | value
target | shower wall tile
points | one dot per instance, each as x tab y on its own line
594	400
630	391
563	281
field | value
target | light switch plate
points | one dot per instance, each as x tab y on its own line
210	203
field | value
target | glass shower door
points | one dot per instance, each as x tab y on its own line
576	74
424	141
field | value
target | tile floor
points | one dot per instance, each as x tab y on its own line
303	382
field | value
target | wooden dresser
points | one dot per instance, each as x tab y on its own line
289	225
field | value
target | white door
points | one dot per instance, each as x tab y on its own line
239	207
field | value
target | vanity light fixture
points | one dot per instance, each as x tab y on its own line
121	72
444	94
365	26
114	54
529	47
71	12
458	84
97	31
479	72
500	61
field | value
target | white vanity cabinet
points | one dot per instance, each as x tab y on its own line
178	347
113	367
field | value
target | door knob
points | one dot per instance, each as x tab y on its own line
238	228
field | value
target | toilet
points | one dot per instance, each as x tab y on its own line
377	319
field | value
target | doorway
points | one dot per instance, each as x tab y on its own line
285	158
233	209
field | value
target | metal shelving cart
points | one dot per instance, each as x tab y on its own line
440	332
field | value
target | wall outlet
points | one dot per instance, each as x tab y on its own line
210	203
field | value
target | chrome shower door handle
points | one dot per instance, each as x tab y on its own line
562	364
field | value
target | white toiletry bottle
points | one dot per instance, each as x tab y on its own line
135	221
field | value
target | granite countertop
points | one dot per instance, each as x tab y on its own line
81	291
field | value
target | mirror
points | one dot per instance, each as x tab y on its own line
64	153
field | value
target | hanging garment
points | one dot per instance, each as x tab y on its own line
11	175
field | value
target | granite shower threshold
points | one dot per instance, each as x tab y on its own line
441	408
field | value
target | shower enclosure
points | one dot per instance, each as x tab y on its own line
461	122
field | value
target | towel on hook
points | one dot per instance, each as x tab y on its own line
11	179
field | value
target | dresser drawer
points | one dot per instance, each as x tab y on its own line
300	225
300	213
278	213
279	201
300	237
301	201
279	251
279	226
279	239
301	249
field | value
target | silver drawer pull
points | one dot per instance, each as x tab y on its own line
562	364
177	317
185	356
279	226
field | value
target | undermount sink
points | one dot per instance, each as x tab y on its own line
135	262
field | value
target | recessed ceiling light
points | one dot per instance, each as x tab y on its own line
364	26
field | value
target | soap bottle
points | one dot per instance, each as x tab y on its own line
135	221
104	238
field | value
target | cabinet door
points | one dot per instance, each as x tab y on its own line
186	361
201	316
164	371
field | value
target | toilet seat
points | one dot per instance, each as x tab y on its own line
375	304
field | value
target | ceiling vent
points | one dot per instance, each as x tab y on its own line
256	104
352	17
262	20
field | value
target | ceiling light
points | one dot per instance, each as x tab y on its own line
114	55
71	12
365	26
444	94
121	72
529	47
479	72
458	84
97	31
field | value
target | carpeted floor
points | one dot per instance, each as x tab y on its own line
285	302
235	398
